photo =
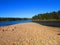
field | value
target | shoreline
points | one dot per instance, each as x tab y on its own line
46	20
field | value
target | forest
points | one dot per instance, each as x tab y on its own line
47	16
13	19
52	16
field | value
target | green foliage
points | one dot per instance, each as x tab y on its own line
12	19
47	16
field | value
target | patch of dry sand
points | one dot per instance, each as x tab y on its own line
29	34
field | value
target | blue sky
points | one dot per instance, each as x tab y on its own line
27	8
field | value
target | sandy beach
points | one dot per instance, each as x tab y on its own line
29	34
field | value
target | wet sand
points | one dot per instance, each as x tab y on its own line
29	34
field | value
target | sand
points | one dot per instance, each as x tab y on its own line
29	34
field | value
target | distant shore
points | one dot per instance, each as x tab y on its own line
13	19
29	34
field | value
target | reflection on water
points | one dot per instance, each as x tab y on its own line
53	24
50	23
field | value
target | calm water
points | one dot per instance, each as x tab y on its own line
54	24
13	22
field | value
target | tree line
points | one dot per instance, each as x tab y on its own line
47	16
13	19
